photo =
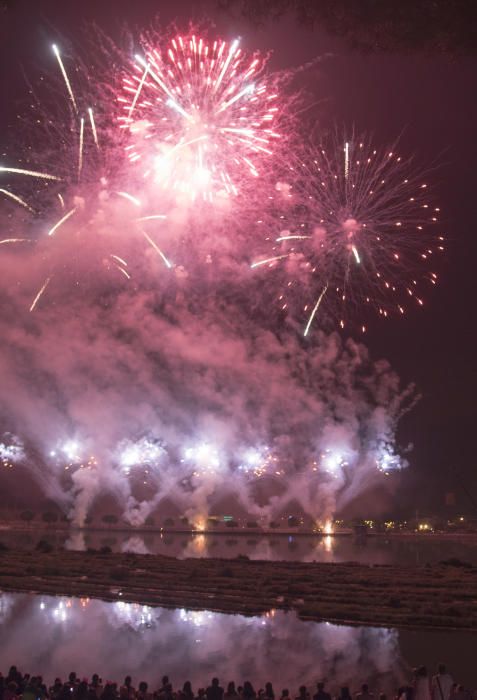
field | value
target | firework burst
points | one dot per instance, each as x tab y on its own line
200	115
353	231
259	461
73	195
11	450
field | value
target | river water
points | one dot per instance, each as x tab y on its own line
54	635
401	549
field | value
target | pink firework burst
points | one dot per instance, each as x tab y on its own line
353	230
200	116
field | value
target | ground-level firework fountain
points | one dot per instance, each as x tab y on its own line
186	409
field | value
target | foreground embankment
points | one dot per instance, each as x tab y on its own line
438	596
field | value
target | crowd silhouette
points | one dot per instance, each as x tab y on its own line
16	685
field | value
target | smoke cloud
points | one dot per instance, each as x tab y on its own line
148	393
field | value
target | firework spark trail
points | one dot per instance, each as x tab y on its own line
40	292
356	254
124	272
292	238
151	217
17	199
15	240
130	198
119	260
65	77
80	152
315	309
93	127
138	91
268	260
226	64
203	115
158	80
61	221
167	263
29	173
246	91
175	105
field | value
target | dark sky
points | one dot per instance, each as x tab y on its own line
432	101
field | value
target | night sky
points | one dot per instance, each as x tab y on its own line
431	101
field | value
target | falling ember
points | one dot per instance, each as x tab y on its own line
93	127
38	296
138	92
15	240
291	238
130	198
315	309
80	154
29	173
65	77
119	260
16	199
61	221
268	260
152	217
124	272
157	249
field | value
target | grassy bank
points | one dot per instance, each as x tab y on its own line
440	596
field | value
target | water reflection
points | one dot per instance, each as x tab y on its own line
56	635
371	550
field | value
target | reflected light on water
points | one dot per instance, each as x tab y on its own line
383	549
56	635
199	544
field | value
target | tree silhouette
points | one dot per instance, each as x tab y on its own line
110	519
27	515
50	517
442	26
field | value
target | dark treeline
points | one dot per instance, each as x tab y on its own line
438	26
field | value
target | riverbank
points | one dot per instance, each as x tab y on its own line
437	596
18	526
